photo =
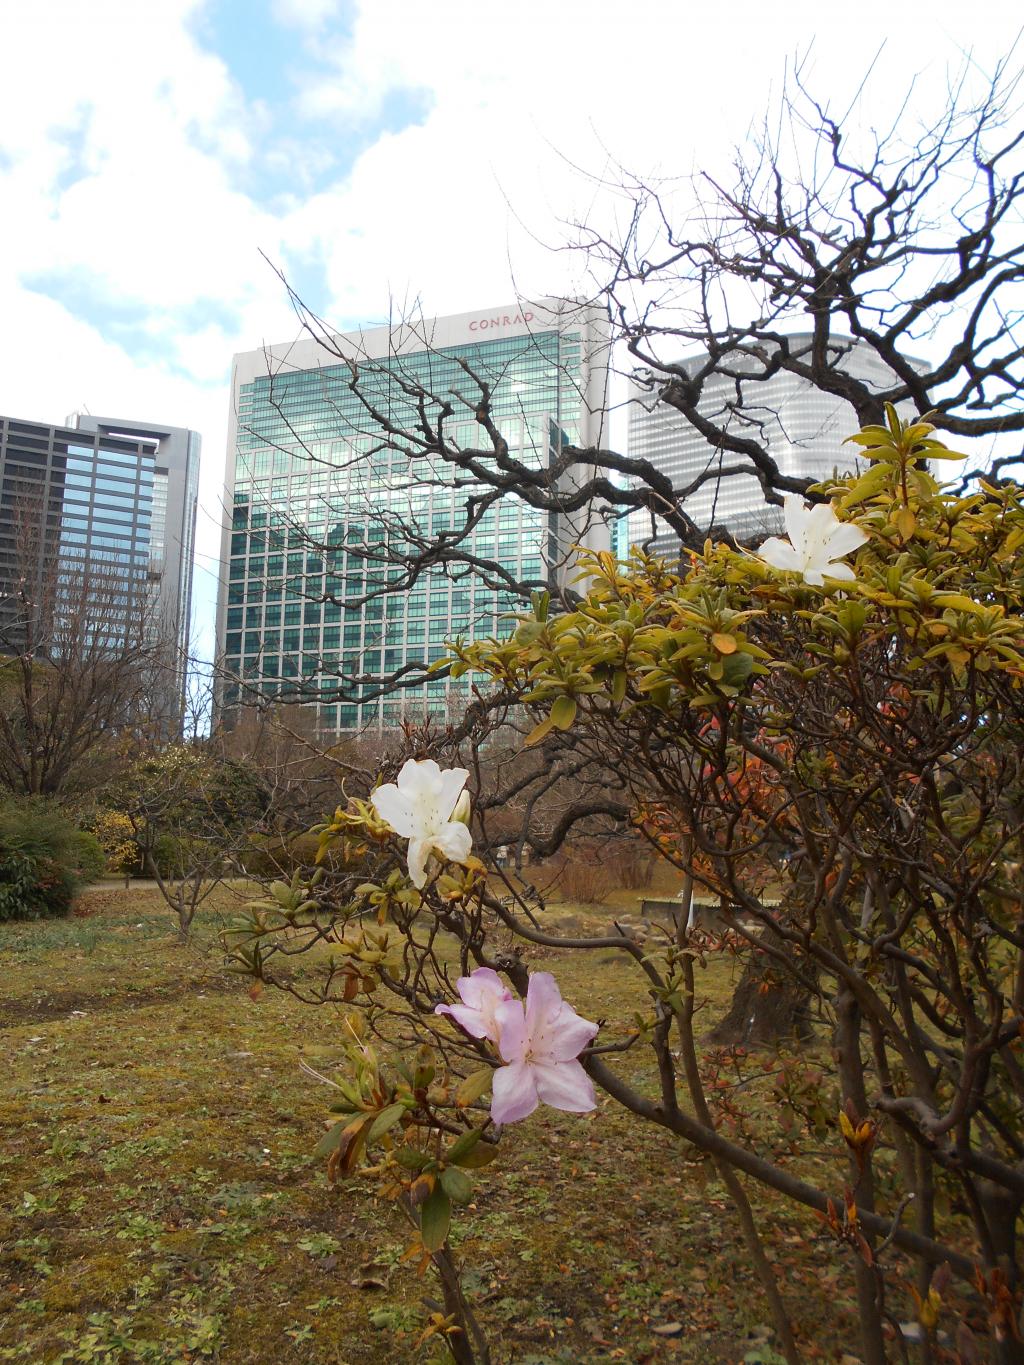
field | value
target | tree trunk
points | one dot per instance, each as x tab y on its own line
769	1006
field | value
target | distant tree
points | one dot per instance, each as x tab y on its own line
193	814
85	671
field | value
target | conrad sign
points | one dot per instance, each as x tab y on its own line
500	320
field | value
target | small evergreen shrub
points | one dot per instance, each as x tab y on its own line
39	862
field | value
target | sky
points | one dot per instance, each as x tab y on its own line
156	154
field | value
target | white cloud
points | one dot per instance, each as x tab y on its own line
309	14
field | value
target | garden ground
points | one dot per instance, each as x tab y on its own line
161	1203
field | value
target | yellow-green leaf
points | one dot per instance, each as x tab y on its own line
563	713
331	1140
480	1155
538	732
956	601
475	1084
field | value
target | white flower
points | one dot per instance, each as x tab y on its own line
421	808
817	539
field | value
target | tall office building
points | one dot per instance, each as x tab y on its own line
108	498
320	501
803	429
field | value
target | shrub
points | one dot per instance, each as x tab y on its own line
629	867
585	877
116	835
90	859
825	736
39	861
176	857
591	871
170	857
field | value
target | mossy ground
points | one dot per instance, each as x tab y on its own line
161	1203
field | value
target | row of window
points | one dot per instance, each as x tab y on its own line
269	640
258	614
351	717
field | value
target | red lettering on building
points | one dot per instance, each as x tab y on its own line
503	320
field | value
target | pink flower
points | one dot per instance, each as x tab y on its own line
540	1045
482	993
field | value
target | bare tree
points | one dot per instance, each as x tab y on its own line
85	668
907	244
905	247
194	814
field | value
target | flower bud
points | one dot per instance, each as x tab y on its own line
461	811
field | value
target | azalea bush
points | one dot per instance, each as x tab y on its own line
825	736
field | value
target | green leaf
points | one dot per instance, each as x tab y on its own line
435	1217
411	1158
456	1185
527	632
331	1140
736	668
619	681
385	1120
462	1145
480	1155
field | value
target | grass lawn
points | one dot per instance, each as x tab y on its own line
160	1202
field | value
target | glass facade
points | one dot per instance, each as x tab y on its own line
323	507
803	429
168	495
111	506
108	508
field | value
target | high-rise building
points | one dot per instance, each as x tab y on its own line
803	429
103	498
322	503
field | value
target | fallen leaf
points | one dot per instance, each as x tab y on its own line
372	1275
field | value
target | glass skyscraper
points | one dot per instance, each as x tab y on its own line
107	499
324	505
